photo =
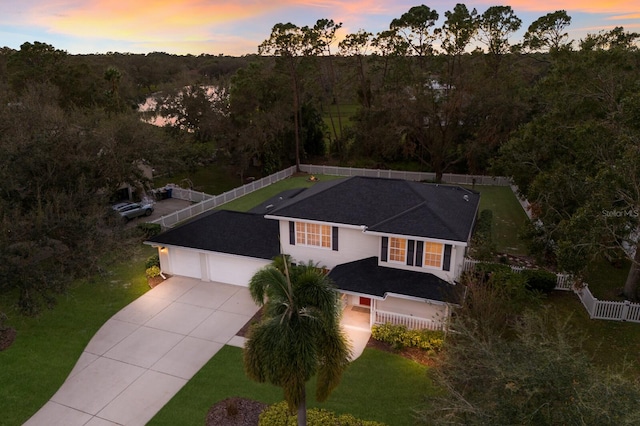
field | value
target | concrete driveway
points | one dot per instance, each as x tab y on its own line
145	353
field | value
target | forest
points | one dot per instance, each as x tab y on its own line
560	116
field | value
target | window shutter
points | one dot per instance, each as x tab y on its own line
446	265
334	238
385	249
410	252
292	233
419	252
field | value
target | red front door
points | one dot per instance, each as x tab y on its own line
365	301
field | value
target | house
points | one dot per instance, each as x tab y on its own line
395	248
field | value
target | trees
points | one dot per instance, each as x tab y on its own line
509	361
547	32
576	160
538	376
496	25
299	334
287	42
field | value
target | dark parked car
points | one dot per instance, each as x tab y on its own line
132	210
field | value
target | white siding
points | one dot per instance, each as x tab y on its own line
353	245
457	259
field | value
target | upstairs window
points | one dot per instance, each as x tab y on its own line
313	234
397	249
433	254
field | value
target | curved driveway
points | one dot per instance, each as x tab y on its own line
143	355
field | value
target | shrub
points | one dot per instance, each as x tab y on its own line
152	261
279	415
483	247
540	280
398	336
153	272
149	229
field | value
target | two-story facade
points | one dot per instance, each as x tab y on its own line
393	247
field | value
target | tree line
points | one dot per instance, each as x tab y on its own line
559	116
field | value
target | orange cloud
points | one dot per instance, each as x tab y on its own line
156	19
588	6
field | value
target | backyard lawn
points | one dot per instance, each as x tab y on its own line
508	217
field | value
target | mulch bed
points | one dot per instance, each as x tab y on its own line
235	412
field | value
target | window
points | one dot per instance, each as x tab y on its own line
313	234
432	254
397	249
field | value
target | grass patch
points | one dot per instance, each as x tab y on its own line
48	346
213	179
362	393
605	280
249	201
508	218
611	344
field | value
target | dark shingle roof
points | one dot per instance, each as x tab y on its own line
367	277
388	205
224	231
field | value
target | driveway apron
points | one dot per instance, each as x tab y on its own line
145	353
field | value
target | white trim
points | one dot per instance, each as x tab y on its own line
191	249
319	222
413	237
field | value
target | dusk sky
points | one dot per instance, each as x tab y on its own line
237	27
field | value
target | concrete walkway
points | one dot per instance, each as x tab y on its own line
145	353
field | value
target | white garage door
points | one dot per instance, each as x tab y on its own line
230	269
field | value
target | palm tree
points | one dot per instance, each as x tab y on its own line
299	335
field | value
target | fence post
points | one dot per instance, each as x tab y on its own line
625	311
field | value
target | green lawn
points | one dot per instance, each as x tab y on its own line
610	343
251	200
213	179
368	390
508	217
47	347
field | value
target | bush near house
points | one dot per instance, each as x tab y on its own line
483	247
279	415
540	280
399	337
153	272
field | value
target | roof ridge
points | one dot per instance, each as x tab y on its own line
326	185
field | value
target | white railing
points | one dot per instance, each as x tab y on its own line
409	321
212	201
399	174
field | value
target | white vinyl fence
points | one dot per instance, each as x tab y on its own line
208	202
413	176
597	309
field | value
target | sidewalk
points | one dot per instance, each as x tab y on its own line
145	353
